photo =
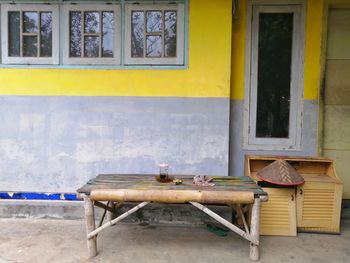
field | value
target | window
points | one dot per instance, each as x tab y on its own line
154	34
30	34
92	34
106	33
273	115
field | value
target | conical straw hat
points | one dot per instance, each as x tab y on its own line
280	172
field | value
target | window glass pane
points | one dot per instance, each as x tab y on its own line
30	22
91	22
107	34
91	46
274	74
154	21
45	34
14	34
30	46
75	28
137	33
154	46
170	34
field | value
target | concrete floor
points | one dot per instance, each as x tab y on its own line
25	240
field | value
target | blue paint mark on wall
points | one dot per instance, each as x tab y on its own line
38	196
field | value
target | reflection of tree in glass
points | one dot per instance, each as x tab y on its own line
75	34
154	24
46	34
154	48
137	36
92	22
274	75
154	21
30	25
30	22
107	34
170	34
14	34
91	46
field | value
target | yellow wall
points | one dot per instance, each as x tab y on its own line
313	46
208	74
238	47
314	24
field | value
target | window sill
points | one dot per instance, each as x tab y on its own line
287	148
97	67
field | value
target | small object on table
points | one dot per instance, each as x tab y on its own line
163	176
177	181
203	180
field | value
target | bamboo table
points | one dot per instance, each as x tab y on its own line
116	189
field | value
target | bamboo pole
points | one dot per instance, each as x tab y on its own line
254	230
92	234
103	216
110	215
225	222
90	225
239	208
173	196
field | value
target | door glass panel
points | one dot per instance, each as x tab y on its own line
14	34
274	75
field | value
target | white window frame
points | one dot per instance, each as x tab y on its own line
6	59
179	59
250	141
66	59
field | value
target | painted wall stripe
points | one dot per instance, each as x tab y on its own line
38	196
207	74
314	27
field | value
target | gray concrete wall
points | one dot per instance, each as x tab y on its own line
55	144
152	213
237	153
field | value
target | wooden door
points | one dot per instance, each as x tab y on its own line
278	215
318	205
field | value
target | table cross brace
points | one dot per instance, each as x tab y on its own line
116	220
237	230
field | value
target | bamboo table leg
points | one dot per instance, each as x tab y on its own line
90	226
110	215
255	229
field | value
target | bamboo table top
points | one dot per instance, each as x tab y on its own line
148	182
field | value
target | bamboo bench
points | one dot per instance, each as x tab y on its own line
116	189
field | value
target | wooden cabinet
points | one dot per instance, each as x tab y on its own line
317	203
278	215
